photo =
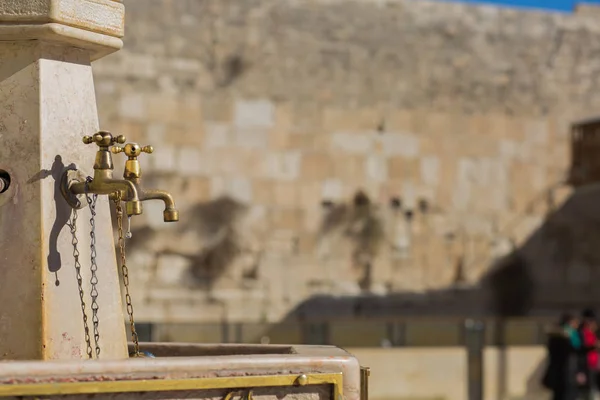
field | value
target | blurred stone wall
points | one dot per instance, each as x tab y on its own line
340	147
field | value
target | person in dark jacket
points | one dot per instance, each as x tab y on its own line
566	365
589	349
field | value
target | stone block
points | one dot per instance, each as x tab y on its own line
153	214
400	144
233	161
185	65
316	166
537	132
409	195
313	219
402	168
508	150
186	134
348	167
436	124
138	66
264	192
281	166
287	194
218	108
305	141
279	135
284	116
504	127
252	138
250	162
218	186
448	176
133	131
156	134
353	143
278	139
332	189
95	26
311	194
217	135
560	128
165	158
307	116
196	189
365	119
240	189
163	108
106	88
189	109
398	121
257	214
189	161
286	218
376	168
430	170
171	269
132	106
254	113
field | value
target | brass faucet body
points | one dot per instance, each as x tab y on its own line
133	174
103	181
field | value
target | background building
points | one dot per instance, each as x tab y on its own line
344	158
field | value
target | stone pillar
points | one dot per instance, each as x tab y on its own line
47	104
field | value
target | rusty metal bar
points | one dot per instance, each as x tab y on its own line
365	372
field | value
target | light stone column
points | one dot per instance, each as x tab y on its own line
47	104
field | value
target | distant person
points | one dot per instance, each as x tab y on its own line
588	333
566	366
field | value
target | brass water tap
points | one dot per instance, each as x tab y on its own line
133	174
103	182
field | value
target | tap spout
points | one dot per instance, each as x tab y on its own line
109	186
170	214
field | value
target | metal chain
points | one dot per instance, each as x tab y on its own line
125	272
75	242
93	266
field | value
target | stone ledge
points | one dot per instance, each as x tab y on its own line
98	44
105	17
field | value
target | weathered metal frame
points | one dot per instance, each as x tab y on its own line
145	385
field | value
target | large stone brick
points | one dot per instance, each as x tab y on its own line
400	144
376	168
287	194
283	166
251	137
254	113
133	106
316	166
217	135
349	168
353	142
403	168
430	171
189	161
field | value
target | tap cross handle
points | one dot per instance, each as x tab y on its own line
104	139
132	150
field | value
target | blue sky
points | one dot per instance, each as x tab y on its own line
558	5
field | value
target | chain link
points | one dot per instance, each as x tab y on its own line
75	242
91	200
125	272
